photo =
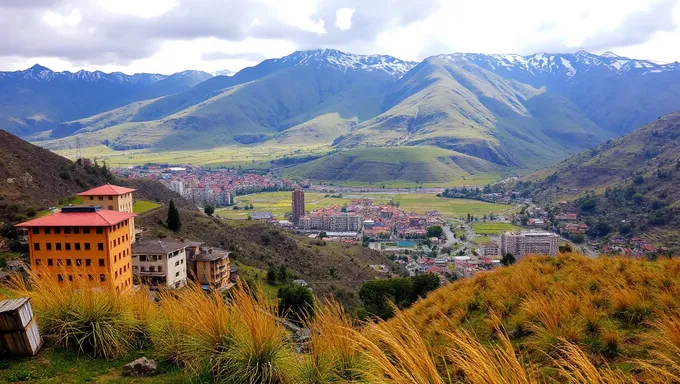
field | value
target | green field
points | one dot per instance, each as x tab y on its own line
481	239
141	206
279	203
259	276
493	228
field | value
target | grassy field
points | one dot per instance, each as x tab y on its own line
141	206
73	200
493	228
247	272
279	203
481	239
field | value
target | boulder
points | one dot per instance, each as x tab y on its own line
141	367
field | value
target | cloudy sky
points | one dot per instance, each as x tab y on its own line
167	36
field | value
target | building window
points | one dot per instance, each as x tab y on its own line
49	262
70	277
88	262
111	207
47	231
68	262
100	246
87	246
100	230
115	258
67	230
77	245
36	246
89	277
79	262
68	246
60	277
57	230
76	230
101	262
86	230
142	257
177	274
58	262
101	198
48	246
36	230
91	197
160	269
115	274
110	197
57	246
102	278
37	261
176	263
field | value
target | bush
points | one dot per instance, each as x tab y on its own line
296	302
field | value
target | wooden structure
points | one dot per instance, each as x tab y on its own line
19	334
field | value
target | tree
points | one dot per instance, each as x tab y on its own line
174	221
282	276
322	235
209	209
508	259
271	275
435	231
423	284
344	208
296	302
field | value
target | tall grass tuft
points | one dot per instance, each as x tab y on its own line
91	318
575	367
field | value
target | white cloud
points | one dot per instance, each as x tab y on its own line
343	18
58	20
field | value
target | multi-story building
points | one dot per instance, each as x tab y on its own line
212	269
489	249
529	243
177	186
160	263
113	198
84	242
298	205
345	222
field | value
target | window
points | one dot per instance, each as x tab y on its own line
101	198
101	262
110	197
100	246
79	262
115	274
91	197
176	263
57	230
115	258
37	261
142	257
100	230
67	230
70	277
87	246
89	277
60	277
48	246
77	245
68	262
111	207
59	263
49	262
57	246
177	274
76	230
102	277
36	246
86	230
160	269
36	230
47	231
67	246
88	262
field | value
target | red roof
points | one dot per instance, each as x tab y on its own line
106	190
101	218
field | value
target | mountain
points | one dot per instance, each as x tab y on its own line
458	105
38	98
617	93
631	183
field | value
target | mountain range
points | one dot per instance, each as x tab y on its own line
510	111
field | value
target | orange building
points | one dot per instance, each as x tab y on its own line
82	241
113	198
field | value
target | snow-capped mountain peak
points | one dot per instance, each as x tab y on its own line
349	62
224	72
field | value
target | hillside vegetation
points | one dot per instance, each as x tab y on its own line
567	319
629	183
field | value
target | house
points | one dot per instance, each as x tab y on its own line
262	216
160	263
489	249
113	198
84	242
212	269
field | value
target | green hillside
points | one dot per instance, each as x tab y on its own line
462	107
632	182
422	164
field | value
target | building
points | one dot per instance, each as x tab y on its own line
298	205
160	263
177	186
82	241
212	269
489	249
263	216
346	222
113	198
529	243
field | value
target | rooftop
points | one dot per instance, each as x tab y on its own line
157	247
212	254
107	190
85	218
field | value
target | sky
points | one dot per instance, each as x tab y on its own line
167	36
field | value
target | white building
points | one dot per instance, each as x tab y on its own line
489	249
177	186
529	243
346	223
159	263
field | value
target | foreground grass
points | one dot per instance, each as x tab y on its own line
567	319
